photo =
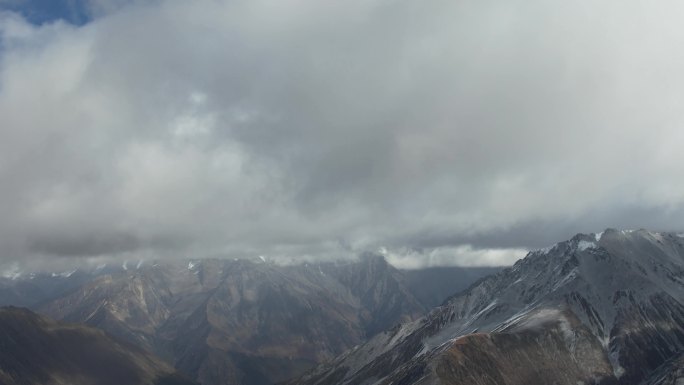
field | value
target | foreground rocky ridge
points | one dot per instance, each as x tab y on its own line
597	309
36	350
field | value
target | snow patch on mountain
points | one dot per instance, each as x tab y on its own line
538	318
100	267
544	250
65	274
584	245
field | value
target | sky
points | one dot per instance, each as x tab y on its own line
435	132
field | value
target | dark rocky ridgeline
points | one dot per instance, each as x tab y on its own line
598	309
35	350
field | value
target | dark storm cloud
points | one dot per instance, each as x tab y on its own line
439	132
83	244
541	233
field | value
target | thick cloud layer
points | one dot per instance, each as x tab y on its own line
439	131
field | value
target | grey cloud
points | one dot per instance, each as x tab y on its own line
542	233
83	244
455	130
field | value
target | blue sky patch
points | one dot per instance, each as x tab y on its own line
46	11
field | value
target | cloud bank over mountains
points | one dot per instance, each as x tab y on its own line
442	132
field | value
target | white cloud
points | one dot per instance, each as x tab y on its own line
464	255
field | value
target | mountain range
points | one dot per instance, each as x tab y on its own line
244	321
599	308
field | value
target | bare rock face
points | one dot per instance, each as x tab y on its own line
548	354
548	347
597	309
35	350
129	307
670	373
260	324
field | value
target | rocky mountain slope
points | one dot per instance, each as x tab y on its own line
35	350
602	308
246	322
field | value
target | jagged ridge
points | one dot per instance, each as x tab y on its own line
621	290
